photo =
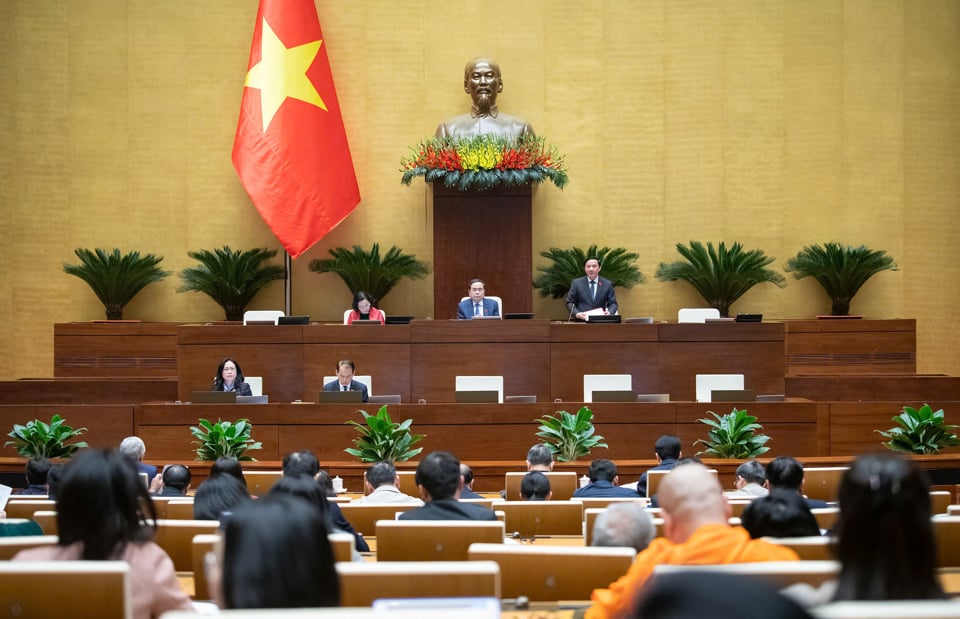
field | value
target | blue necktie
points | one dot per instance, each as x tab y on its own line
476	309
593	289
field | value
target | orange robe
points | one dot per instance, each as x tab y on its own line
711	544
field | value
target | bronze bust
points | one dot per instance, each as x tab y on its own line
482	81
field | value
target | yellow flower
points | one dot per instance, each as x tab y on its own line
479	155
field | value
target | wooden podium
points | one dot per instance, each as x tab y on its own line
485	234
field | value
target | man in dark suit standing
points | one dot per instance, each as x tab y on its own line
591	292
345	382
476	305
440	482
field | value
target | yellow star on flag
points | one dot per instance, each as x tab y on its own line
282	73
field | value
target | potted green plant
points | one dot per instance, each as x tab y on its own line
37	439
380	439
569	437
617	264
733	436
366	270
231	278
720	275
841	269
116	278
224	439
920	431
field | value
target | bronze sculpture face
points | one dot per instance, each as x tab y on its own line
482	81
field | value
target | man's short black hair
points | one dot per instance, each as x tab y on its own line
381	474
602	470
667	447
752	472
37	469
785	472
535	486
540	454
303	462
439	474
176	476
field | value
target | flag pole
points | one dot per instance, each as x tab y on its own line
287	284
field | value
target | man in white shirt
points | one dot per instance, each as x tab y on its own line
383	486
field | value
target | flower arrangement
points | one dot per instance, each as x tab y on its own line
484	161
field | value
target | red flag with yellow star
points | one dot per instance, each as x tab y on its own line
291	149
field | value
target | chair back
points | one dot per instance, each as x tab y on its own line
364	516
363	582
200	545
176	538
946	531
777	573
24	508
260	482
708	383
697	314
261	316
535	518
408	483
823	482
888	609
939	501
76	589
255	383
605	382
481	383
47	520
562	484
550	573
9	546
180	510
812	548
655	477
430	540
826	516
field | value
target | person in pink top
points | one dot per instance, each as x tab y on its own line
363	309
101	516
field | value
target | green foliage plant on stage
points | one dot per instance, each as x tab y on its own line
366	270
840	269
380	439
231	278
720	275
569	437
733	436
920	431
224	439
37	439
617	264
116	278
484	161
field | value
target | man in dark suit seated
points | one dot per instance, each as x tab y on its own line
476	304
439	479
467	492
36	472
604	482
175	481
345	382
134	449
667	450
787	473
591	292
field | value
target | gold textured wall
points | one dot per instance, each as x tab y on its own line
775	123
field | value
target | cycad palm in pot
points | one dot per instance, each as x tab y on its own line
114	277
368	271
231	278
841	269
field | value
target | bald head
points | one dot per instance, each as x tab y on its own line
690	496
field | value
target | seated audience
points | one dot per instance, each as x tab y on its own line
438	477
344	382
228	466
133	449
749	481
539	458
54	475
36	473
535	486
218	496
230	378
467	492
326	484
363	309
623	524
786	472
275	555
782	513
667	450
306	488
304	463
695	528
175	481
383	486
604	482
105	513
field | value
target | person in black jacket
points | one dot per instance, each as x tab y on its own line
439	479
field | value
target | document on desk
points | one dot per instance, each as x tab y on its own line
5	492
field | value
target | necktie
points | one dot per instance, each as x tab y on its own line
344	387
476	309
593	289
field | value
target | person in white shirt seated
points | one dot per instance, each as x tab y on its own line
383	486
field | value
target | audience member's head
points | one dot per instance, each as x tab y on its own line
307	489
539	458
54	477
103	504
885	540
467	473
133	448
326	484
623	524
176	476
381	474
782	513
228	466
667	447
36	471
692	595
602	470
535	486
691	497
217	496
785	472
438	476
276	555
751	472
303	462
